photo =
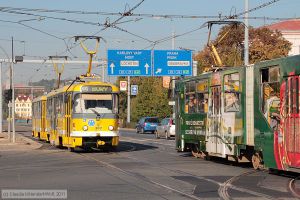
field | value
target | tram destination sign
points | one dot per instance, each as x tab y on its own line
96	89
172	63
129	63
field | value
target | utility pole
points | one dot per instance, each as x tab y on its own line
13	91
128	99
173	77
1	113
246	42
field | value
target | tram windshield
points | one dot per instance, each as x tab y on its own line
96	103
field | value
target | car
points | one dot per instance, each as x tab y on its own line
147	124
166	128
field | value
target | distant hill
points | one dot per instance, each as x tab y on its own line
48	84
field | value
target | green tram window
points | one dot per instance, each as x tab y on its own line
202	96
270	92
190	105
232	95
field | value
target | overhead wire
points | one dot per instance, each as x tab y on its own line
129	13
55	18
122	15
205	25
110	24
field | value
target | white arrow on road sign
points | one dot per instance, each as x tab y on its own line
112	66
158	71
147	66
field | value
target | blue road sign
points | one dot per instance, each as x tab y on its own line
134	90
129	63
172	63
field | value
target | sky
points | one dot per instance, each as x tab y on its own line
38	35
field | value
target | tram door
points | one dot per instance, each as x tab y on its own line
291	122
215	142
67	128
178	121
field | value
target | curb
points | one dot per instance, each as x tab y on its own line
126	129
24	143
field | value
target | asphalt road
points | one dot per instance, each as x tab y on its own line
141	168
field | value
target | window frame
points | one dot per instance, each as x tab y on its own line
238	93
261	86
203	92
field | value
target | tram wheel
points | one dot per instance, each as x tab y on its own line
257	161
71	149
196	152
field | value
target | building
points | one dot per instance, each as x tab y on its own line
290	30
23	107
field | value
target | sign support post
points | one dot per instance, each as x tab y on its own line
128	99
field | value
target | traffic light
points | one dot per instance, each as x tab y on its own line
7	95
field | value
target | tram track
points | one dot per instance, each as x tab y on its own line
292	187
139	176
223	187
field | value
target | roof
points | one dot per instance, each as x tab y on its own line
289	25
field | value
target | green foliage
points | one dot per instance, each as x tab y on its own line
152	99
264	44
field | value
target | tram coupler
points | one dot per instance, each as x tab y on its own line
100	143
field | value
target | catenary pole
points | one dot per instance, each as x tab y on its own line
1	113
128	99
246	42
173	78
13	92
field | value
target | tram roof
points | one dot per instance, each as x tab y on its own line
40	98
76	87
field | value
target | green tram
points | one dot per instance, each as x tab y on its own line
243	114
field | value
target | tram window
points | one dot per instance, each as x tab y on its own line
202	100
202	96
232	92
94	103
270	94
190	98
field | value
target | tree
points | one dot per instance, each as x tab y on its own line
264	44
151	100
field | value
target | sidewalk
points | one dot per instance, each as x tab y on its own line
22	143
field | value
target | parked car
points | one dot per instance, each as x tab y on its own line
166	128
147	124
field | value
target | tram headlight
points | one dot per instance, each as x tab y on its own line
110	128
85	127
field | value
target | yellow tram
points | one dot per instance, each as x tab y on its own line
39	118
83	114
